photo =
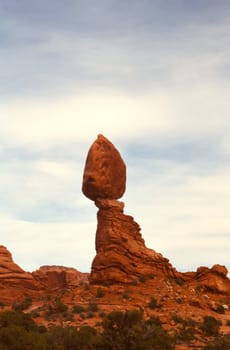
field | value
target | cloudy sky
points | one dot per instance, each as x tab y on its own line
153	76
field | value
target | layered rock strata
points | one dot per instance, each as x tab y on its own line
121	252
11	272
59	277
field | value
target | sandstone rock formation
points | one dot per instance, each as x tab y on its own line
105	171
11	272
59	277
214	279
15	283
121	252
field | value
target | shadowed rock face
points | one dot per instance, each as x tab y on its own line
105	171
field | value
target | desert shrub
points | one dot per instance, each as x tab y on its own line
100	292
126	295
34	314
153	303
17	318
151	276
128	330
210	326
142	279
20	306
59	306
102	314
222	343
92	306
185	333
62	338
220	309
90	314
77	309
179	300
198	288
87	287
18	331
179	281
186	330
86	338
177	318
228	322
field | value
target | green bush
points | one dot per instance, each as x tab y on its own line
179	281
220	309
142	279
152	303
222	343
21	306
78	309
128	330
59	306
100	292
120	331
210	326
92	306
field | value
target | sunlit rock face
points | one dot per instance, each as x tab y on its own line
122	256
105	171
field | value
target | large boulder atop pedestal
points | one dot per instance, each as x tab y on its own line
122	256
105	171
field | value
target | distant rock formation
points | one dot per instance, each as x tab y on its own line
11	272
16	284
214	279
121	252
59	277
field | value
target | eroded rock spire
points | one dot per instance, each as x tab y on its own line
121	252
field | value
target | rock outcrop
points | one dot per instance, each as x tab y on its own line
15	283
121	252
214	279
59	277
11	272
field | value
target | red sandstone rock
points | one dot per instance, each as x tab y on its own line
220	270
105	171
9	271
59	277
15	283
214	279
121	252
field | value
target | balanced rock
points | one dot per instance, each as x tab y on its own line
105	171
121	252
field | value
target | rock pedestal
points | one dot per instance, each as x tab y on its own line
122	256
121	252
